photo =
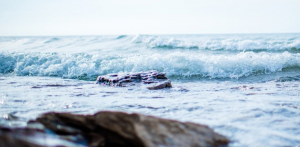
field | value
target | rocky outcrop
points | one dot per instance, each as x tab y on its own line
113	129
154	79
151	131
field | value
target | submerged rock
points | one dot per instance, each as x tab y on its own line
110	129
155	79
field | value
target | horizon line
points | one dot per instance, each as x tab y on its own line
147	34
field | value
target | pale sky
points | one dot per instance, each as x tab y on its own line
105	17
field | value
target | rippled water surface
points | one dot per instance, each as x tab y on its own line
246	87
250	114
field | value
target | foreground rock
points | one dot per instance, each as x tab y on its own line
113	129
33	137
154	79
152	131
19	137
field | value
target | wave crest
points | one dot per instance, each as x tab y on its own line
174	64
219	43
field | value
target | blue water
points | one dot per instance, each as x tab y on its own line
211	56
245	86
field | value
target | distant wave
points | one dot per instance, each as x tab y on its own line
121	36
75	44
61	44
220	43
174	64
52	40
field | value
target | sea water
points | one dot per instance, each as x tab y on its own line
244	86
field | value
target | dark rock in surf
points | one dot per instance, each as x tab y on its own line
37	137
109	129
154	79
149	131
160	85
18	137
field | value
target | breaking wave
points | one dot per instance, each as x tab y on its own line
174	64
222	42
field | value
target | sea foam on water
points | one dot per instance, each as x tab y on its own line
245	86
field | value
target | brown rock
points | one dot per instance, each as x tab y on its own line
161	85
31	137
108	128
10	141
151	131
17	137
67	123
75	128
111	129
155	79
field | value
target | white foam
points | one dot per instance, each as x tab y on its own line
214	66
174	64
93	55
222	42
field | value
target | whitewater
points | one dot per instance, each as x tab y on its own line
244	86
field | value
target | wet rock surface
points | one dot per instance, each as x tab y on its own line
150	131
110	129
154	79
18	137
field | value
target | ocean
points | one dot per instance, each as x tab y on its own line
244	86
